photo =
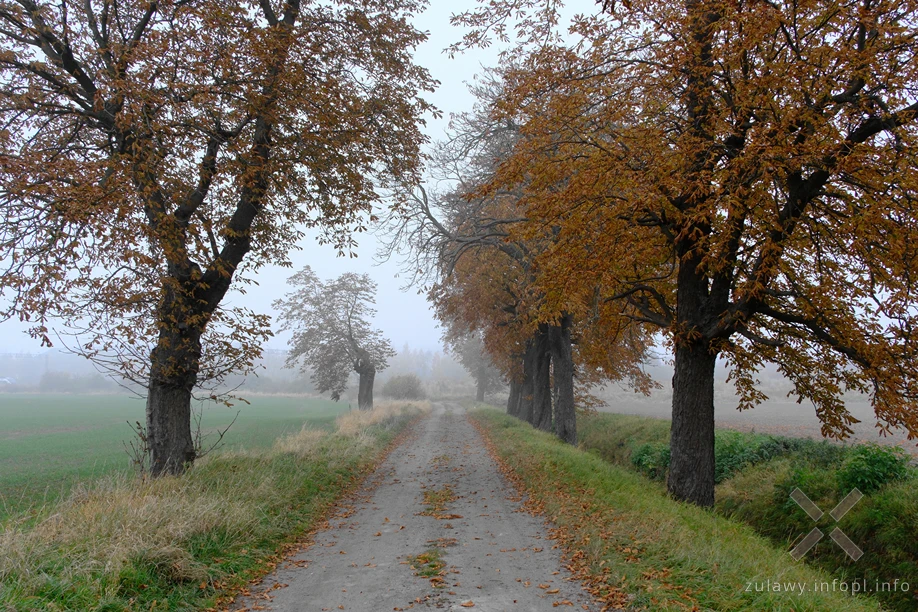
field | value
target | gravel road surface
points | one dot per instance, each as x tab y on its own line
439	491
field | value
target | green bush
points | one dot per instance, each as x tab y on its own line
404	387
821	453
651	459
734	451
870	466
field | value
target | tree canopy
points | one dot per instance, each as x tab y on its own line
152	153
482	257
332	335
739	175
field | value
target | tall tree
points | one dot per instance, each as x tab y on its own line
154	153
741	175
331	332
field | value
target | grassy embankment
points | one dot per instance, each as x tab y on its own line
182	543
756	474
638	549
51	442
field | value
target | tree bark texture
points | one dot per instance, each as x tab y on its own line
173	374
541	391
513	401
691	469
563	366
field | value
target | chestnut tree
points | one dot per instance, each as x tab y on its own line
153	154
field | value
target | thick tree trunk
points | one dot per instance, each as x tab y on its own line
513	402
169	429
563	365
482	382
365	388
527	386
173	373
541	391
691	469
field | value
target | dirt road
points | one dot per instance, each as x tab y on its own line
439	493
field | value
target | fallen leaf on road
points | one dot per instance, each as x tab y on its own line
468	604
553	591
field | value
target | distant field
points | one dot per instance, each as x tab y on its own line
780	415
49	442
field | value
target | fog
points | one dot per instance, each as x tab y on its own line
403	316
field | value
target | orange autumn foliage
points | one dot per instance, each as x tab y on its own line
154	153
741	175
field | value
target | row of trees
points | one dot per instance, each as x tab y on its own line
737	178
480	258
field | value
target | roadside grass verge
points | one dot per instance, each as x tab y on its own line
638	549
50	443
756	474
121	543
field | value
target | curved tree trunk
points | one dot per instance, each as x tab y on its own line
563	365
541	391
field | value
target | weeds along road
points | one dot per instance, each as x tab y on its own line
435	527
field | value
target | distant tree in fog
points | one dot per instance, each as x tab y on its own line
332	334
469	349
404	387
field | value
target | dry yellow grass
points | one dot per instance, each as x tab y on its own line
358	421
103	528
304	443
123	519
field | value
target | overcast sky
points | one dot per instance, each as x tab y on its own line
404	317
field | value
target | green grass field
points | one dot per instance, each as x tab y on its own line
50	442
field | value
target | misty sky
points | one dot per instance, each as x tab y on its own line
404	317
